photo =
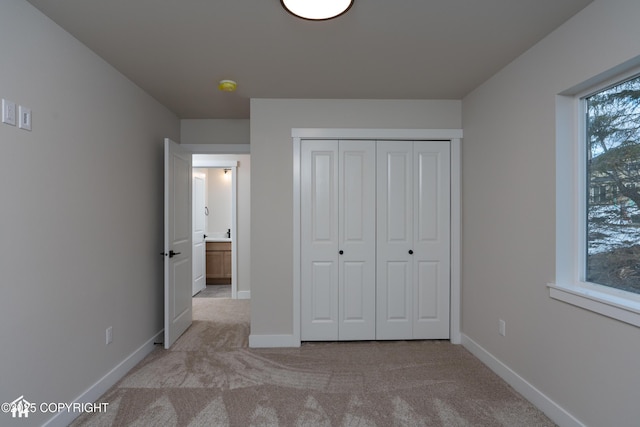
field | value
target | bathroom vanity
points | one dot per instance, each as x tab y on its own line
218	258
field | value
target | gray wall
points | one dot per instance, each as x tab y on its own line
73	192
585	362
214	131
272	183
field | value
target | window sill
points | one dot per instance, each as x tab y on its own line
606	304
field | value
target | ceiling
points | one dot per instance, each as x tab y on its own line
178	50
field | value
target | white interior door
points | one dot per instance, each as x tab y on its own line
357	240
319	237
431	246
394	277
199	230
177	241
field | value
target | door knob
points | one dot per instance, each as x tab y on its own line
410	252
341	252
172	254
205	236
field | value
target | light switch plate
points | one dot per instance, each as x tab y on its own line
24	118
8	112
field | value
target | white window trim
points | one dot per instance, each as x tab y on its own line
569	285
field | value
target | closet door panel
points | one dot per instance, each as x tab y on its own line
394	307
321	295
354	195
357	237
397	206
431	239
319	240
427	189
354	292
398	294
427	295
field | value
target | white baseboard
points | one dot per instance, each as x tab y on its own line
271	341
93	393
244	294
551	409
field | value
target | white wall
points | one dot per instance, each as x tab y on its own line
218	201
80	217
585	362
272	183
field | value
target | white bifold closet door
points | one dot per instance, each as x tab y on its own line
375	239
338	235
413	240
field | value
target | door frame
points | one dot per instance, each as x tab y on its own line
454	136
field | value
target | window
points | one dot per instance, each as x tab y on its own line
612	145
598	196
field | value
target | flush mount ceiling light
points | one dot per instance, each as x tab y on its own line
316	10
227	85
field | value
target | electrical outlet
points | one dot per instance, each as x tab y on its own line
502	327
24	121
8	112
109	335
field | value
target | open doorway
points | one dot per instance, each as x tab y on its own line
214	208
221	226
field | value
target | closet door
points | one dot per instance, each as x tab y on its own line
413	241
394	277
357	240
319	240
338	238
431	245
375	237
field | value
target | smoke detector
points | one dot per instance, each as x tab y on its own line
227	85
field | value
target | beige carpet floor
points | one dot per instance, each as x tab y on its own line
211	378
215	291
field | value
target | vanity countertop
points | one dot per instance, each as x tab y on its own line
217	239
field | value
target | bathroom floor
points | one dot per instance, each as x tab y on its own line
215	291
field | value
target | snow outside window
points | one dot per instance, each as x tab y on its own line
612	143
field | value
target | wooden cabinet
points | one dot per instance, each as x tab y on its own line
218	263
